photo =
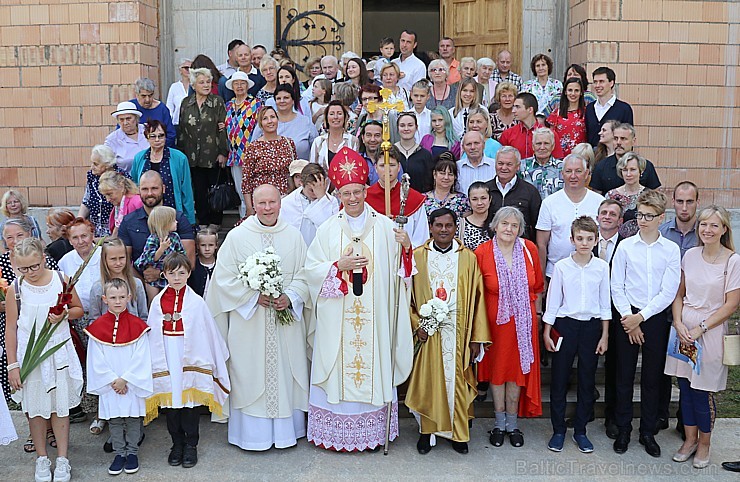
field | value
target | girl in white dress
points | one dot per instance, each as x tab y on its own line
55	385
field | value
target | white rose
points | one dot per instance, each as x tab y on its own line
425	310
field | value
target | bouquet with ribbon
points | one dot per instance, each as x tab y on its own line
35	354
262	273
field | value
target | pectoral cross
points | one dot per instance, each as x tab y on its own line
386	107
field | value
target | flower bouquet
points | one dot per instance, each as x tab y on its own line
3	288
435	314
262	273
35	354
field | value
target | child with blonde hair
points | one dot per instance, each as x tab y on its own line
162	241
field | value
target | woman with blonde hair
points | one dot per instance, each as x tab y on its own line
15	205
709	294
390	74
503	117
629	167
123	194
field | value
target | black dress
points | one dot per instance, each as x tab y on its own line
57	249
420	168
7	273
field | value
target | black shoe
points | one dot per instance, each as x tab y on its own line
661	424
424	445
189	456
77	416
731	466
516	438
460	447
651	446
108	447
175	457
622	442
597	394
497	437
611	430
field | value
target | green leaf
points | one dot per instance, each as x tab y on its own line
27	369
29	347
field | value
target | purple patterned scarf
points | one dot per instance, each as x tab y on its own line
513	299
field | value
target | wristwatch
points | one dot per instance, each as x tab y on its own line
703	327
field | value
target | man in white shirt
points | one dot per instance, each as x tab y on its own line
475	166
560	209
609	220
412	68
646	272
309	205
228	68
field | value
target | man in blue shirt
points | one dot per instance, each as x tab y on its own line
134	231
681	231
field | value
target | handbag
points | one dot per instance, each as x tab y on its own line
222	195
730	342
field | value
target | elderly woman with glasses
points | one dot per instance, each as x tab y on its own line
441	93
629	167
153	109
513	279
269	70
172	165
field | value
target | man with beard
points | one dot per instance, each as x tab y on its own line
134	230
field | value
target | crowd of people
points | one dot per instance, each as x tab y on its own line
524	230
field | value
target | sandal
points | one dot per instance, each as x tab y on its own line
516	437
51	439
97	426
29	447
497	437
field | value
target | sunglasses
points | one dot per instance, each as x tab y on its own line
157	136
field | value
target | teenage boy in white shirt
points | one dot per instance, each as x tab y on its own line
583	324
646	271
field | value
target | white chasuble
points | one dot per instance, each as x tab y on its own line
443	279
268	365
351	335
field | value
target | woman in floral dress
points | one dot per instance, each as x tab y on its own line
569	121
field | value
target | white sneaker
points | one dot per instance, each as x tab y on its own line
63	471
43	469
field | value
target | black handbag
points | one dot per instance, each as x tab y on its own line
223	195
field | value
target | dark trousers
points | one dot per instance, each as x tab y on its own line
203	178
653	363
610	367
697	407
579	338
182	424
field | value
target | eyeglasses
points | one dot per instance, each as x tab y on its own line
157	136
439	69
350	194
185	67
646	216
26	269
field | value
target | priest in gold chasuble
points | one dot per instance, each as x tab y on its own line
351	269
443	382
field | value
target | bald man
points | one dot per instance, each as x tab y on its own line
134	230
268	365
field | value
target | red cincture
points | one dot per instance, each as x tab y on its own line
171	303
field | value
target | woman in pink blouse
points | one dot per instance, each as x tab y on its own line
123	194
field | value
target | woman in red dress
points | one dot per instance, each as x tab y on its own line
513	279
266	160
569	121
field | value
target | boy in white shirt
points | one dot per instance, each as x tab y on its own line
646	271
419	97
583	324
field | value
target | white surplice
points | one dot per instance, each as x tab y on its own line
306	216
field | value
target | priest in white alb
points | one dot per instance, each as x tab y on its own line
418	226
268	367
361	351
442	386
309	205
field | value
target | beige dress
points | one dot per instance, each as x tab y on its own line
705	293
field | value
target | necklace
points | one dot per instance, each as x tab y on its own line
437	100
407	152
715	258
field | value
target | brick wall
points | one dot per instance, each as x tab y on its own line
677	64
63	68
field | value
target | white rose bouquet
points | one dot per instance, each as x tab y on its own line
435	314
262	273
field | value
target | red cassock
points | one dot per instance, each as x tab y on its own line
121	330
501	362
